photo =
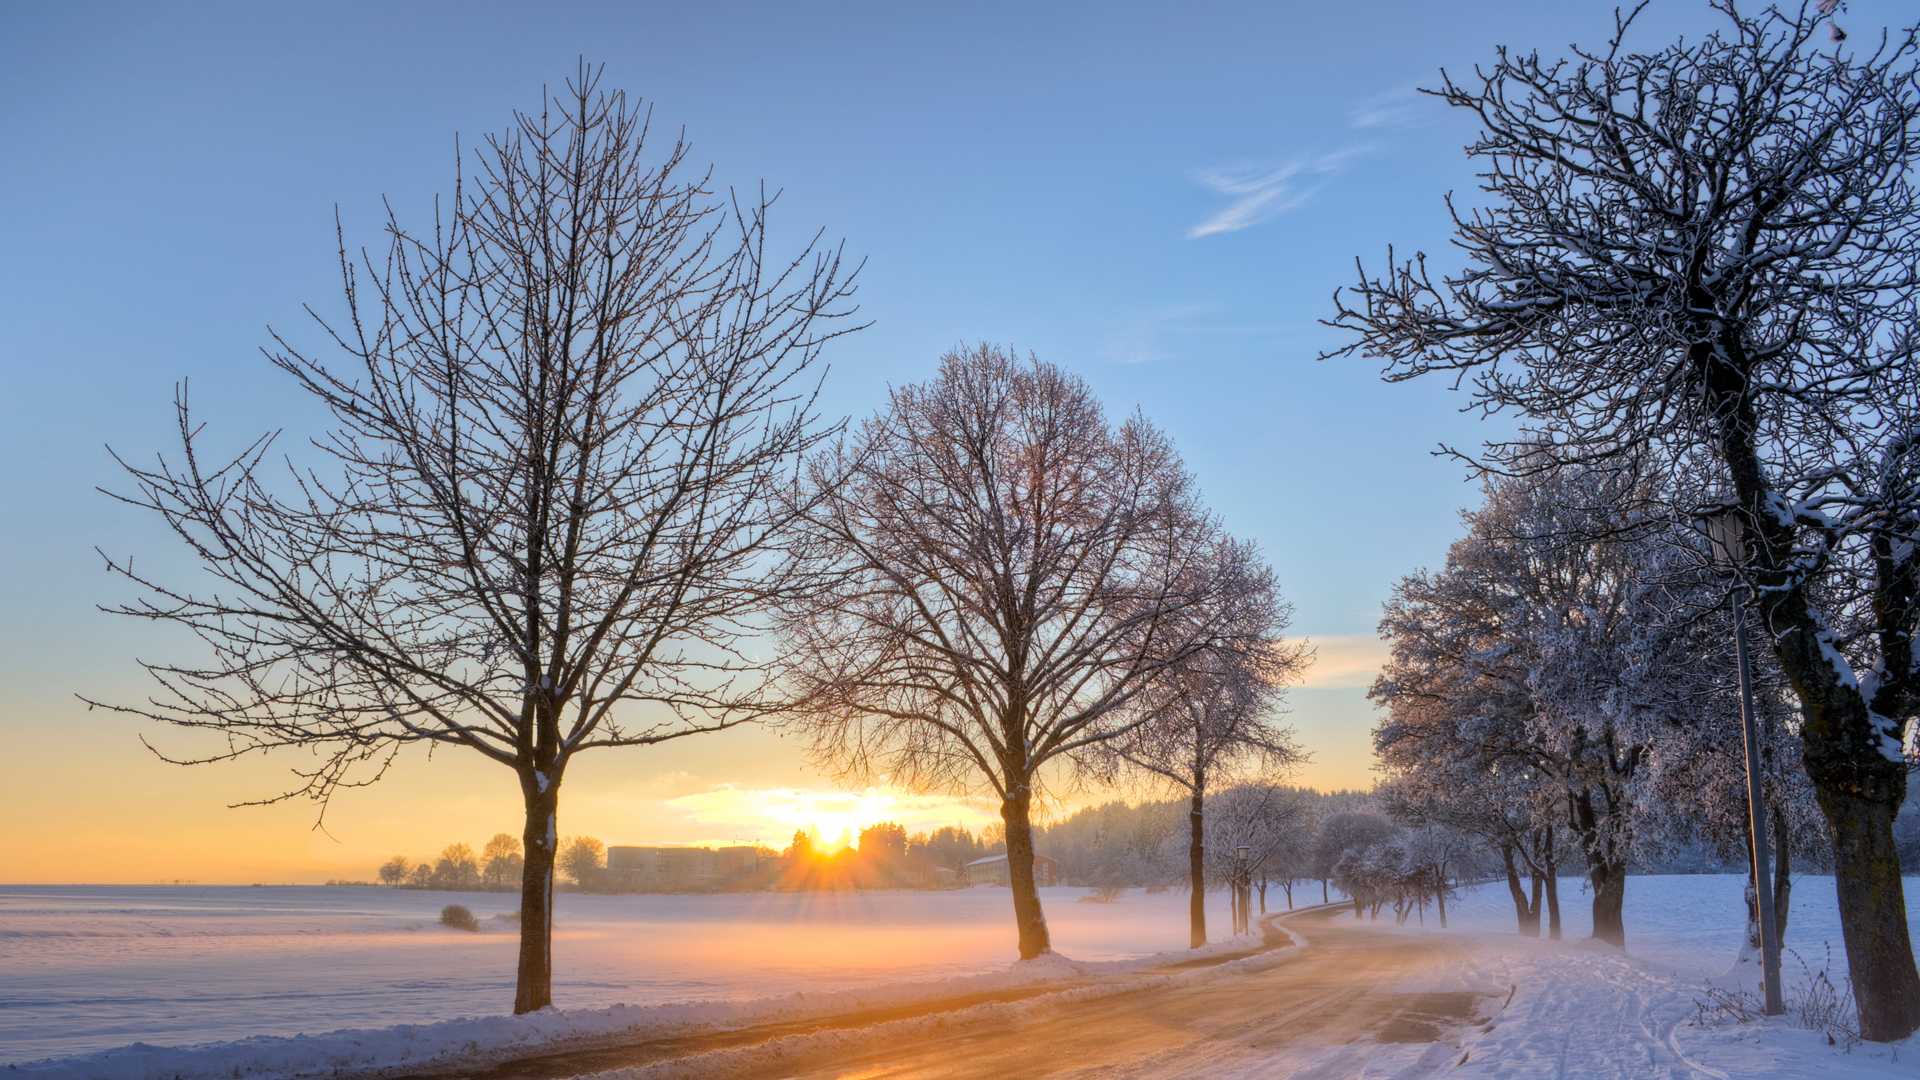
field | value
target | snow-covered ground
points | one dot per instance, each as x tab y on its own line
93	967
1578	1009
1687	925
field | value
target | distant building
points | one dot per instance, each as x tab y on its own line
669	868
993	869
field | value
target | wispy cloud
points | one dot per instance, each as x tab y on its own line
1140	342
1262	195
1175	330
1344	662
1389	108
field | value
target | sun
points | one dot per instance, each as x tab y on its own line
773	814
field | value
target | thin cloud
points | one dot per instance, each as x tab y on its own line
1140	342
1390	108
1344	662
1261	196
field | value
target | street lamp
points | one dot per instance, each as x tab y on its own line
1726	534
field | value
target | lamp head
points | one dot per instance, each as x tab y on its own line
1726	533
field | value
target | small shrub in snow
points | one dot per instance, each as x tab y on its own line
1815	1004
458	917
1101	895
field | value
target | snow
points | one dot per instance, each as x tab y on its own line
1580	1008
90	968
1684	925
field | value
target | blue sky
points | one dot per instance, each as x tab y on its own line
1160	197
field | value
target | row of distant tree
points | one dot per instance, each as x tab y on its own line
886	857
497	868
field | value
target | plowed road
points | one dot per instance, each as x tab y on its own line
1350	983
1355	994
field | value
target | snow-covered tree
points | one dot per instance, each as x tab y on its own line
1706	253
1248	824
1535	664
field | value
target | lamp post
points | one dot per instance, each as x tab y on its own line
1724	532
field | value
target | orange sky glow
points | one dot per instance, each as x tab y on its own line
116	814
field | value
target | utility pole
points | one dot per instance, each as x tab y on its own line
1730	548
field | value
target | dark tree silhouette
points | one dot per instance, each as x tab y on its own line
545	522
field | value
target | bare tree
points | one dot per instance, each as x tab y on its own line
1004	574
502	861
1251	823
1216	714
544	523
456	869
582	858
1710	251
394	871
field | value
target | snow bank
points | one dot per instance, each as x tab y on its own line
1580	1008
1599	1014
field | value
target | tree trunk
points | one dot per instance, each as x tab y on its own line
1027	914
1609	880
1873	912
533	988
1605	871
1263	896
1859	786
1440	902
1552	877
1860	791
1529	919
1782	871
1323	890
1197	871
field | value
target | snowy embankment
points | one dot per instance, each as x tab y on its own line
95	968
1578	1008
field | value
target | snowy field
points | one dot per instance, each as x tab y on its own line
92	967
1685	925
99	968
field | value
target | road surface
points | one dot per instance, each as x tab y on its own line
1352	983
1358	991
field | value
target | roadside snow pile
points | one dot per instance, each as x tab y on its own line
1598	1014
408	1047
